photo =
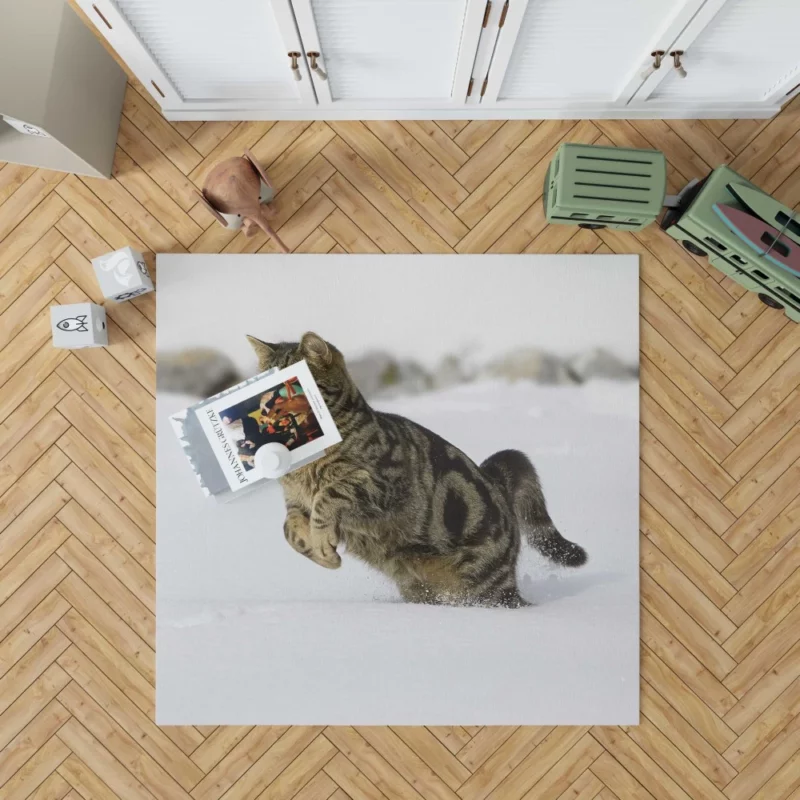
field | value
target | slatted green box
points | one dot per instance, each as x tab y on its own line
605	187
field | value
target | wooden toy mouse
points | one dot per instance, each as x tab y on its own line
236	192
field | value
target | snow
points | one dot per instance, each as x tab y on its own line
250	632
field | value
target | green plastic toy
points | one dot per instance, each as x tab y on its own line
622	188
696	225
605	187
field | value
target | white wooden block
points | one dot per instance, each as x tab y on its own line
78	325
122	275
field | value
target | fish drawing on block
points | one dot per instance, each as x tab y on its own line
769	209
763	238
74	324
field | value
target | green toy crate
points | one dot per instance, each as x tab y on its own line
696	225
605	187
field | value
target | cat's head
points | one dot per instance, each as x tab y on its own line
324	360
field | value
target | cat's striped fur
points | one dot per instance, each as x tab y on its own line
408	502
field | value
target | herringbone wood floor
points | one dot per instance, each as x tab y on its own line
720	468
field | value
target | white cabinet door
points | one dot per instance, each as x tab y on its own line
576	53
746	51
395	54
204	54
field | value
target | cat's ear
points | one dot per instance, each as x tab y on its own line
264	351
315	349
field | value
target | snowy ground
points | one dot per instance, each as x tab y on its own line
251	632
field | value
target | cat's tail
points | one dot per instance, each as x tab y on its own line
513	470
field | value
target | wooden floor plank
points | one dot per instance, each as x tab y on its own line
17	278
502	763
693	636
116	558
122	709
678	732
31	630
299	152
396	750
681	554
421	224
437	143
426	168
684	412
30	541
535	148
33	737
144	189
120	599
160	132
367	226
37	769
31	593
102	764
493	152
97	485
766	727
755	621
684	520
12	176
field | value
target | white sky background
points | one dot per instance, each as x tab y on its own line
414	306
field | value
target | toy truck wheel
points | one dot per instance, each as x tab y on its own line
769	301
693	248
592	226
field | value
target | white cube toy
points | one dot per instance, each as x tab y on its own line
122	274
78	325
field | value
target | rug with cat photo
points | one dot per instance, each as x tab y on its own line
467	543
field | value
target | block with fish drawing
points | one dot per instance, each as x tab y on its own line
122	275
78	325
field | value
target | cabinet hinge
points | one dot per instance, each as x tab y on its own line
485	83
503	15
469	88
487	12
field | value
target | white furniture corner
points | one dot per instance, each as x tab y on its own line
59	79
470	59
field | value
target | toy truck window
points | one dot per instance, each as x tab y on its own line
790	224
779	247
759	274
787	293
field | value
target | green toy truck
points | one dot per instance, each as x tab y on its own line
610	187
701	231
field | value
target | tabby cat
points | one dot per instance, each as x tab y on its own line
409	503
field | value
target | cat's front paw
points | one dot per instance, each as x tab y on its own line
328	559
322	543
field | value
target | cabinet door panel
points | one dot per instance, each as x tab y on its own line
210	53
393	53
748	52
580	51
